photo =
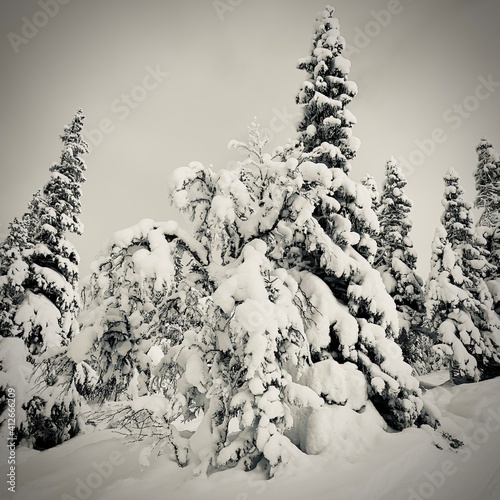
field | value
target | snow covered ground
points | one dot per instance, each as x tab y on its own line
362	461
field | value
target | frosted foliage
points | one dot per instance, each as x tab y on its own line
281	333
326	93
369	182
136	271
471	256
325	135
396	261
263	345
395	225
15	373
452	311
326	311
487	177
52	259
39	314
14	271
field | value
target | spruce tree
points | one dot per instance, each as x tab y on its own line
324	96
325	133
448	309
396	261
14	369
476	326
293	311
124	316
13	273
45	316
487	177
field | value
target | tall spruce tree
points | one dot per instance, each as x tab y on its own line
325	132
396	261
46	309
487	177
476	325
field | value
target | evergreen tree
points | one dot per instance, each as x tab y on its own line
459	305
45	314
325	132
396	261
448	307
324	96
13	273
487	177
294	311
14	370
123	318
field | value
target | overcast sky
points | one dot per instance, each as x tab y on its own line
173	81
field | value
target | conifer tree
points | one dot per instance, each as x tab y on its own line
472	258
13	273
325	132
470	324
324	96
396	261
125	313
448	309
293	311
45	315
14	370
487	177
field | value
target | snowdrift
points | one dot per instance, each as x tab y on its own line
359	460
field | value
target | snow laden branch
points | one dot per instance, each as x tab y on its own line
294	310
139	269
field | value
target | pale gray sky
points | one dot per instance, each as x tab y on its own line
228	61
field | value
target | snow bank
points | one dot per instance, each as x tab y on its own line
354	454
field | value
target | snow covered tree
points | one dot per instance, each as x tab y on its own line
472	256
459	304
325	132
14	370
14	265
13	272
448	308
396	261
297	319
123	318
487	177
45	313
324	96
369	182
